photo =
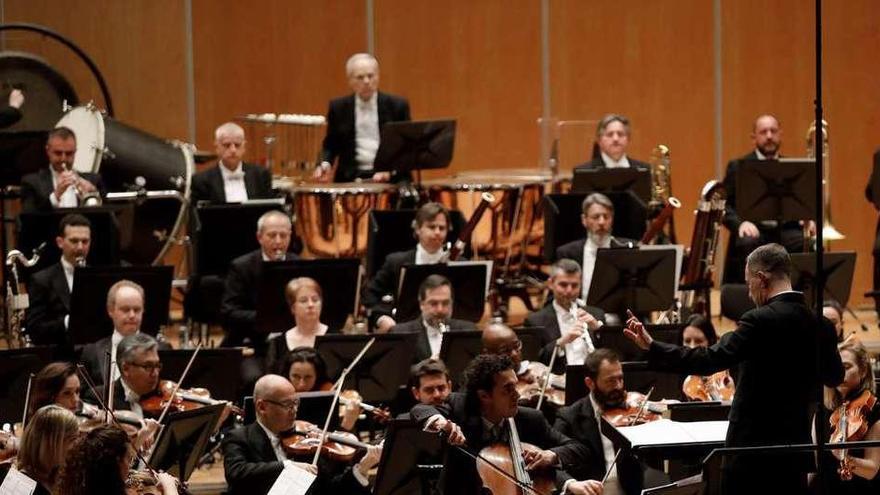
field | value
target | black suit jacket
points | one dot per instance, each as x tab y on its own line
9	115
340	139
36	187
546	319
208	184
94	358
597	163
49	303
251	466
384	283
731	218
869	195
417	326
775	343
460	474
574	250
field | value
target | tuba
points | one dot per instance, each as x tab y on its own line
829	233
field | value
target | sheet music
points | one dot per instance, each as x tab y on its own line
293	480
17	483
665	431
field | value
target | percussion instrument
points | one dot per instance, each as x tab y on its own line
291	143
131	160
331	219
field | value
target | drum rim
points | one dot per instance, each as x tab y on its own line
343	188
470	183
100	140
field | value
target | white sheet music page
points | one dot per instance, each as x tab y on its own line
292	481
664	432
16	483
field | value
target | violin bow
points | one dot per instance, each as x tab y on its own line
611	466
27	400
547	378
179	382
642	408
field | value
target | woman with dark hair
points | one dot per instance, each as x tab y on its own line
306	370
44	442
57	383
832	310
700	332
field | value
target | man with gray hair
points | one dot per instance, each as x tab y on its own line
137	358
612	140
354	123
232	180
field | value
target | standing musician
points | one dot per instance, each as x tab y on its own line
354	123
435	302
253	456
232	180
612	140
58	186
430	228
598	218
782	320
563	329
478	418
49	289
304	298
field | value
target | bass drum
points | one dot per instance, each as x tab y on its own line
129	159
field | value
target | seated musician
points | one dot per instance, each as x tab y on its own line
430	227
479	417
561	331
500	339
832	310
305	369
253	456
435	302
700	332
58	186
861	464
137	358
304	298
44	442
232	180
49	289
598	218
57	383
612	139
429	382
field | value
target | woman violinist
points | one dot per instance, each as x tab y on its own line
306	370
699	332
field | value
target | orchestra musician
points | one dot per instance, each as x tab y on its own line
562	332
304	297
57	383
612	140
700	332
232	180
832	310
49	289
253	456
430	227
479	417
354	123
598	218
57	185
435	303
11	113
875	250
429	382
305	369
500	339
781	321
137	357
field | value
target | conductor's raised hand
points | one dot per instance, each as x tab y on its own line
636	332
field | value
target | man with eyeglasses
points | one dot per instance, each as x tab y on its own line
500	339
253	456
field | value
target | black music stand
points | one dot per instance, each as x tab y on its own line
16	365
837	270
382	370
459	348
562	219
468	282
612	337
391	231
224	232
415	145
339	280
687	412
782	191
636	376
641	280
688	486
89	321
607	180
314	406
411	460
214	369
183	440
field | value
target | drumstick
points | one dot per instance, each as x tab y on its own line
610	467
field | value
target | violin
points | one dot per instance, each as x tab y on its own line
303	440
718	386
637	410
509	459
528	386
849	424
8	448
184	400
380	414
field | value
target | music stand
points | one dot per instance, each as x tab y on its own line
469	284
688	486
183	439
636	377
838	272
641	280
609	180
770	190
391	231
459	348
612	337
382	370
562	219
217	370
687	412
407	448
223	232
415	145
89	321
314	406
339	279
16	365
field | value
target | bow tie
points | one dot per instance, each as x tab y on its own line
235	176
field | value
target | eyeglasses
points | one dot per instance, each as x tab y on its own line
148	367
290	406
516	346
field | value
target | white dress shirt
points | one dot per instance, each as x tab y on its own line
366	131
612	163
68	273
114	342
435	338
133	399
68	199
607	446
276	443
590	248
233	183
576	351
423	257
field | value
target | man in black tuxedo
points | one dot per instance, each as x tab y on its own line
597	216
354	123
778	342
253	457
49	289
430	227
56	186
137	359
869	195
232	180
570	337
612	140
436	302
483	416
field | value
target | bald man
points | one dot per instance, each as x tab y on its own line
232	180
499	338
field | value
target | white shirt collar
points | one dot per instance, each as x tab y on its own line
612	163
559	309
266	258
130	395
423	257
228	174
367	104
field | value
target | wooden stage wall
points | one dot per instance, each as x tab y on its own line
481	62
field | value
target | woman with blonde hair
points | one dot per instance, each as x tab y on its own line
304	298
44	443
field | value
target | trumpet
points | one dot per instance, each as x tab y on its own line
83	198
